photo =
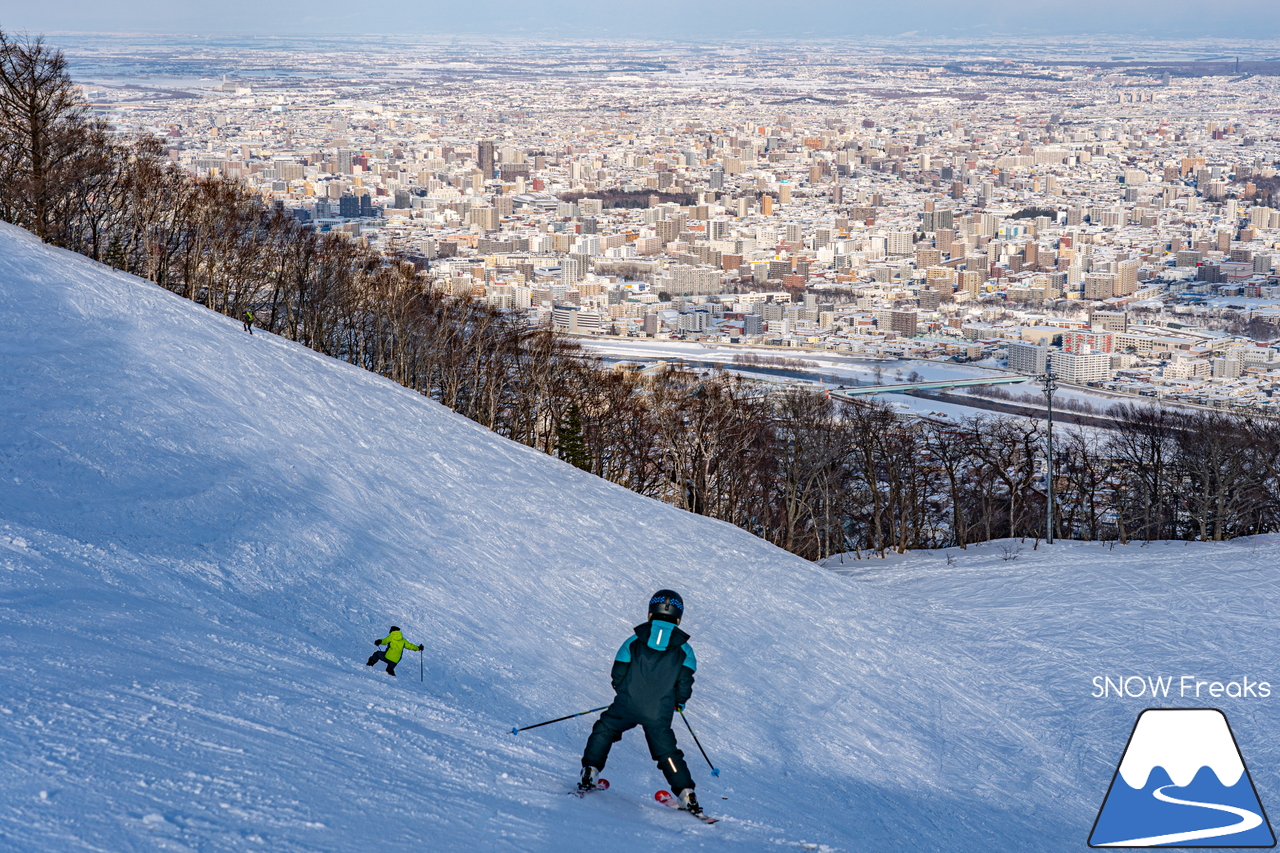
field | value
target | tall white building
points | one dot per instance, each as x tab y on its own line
1081	368
686	280
899	243
1030	359
572	270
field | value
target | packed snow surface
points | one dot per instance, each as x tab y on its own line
201	533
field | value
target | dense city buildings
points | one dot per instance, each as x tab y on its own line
1114	220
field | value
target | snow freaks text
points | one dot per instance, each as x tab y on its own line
1184	687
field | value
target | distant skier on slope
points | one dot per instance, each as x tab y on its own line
652	676
248	319
396	644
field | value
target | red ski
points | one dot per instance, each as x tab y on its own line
669	799
601	785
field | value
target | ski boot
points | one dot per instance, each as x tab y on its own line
689	801
588	781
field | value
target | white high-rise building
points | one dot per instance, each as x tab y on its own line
899	243
1030	359
1081	368
572	270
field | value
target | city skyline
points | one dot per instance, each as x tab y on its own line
812	19
967	209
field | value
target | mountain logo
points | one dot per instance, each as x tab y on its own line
1182	783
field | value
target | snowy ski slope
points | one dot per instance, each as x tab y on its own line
201	532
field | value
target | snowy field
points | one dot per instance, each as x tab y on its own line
201	532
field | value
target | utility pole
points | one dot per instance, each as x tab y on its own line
1050	383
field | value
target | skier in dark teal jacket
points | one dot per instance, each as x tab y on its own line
653	677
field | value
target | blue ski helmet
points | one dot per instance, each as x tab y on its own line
667	605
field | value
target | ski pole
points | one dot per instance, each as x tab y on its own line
421	670
715	771
558	719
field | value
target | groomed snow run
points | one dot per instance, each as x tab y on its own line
201	532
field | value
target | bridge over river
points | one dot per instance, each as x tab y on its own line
941	384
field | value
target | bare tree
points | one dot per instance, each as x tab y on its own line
948	447
49	146
1146	493
1080	469
1224	461
1008	449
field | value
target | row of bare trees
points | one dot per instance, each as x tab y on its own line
818	477
812	475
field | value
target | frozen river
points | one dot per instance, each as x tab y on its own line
830	369
843	368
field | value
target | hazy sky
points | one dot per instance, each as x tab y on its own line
661	18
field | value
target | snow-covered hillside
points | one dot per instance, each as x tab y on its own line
201	532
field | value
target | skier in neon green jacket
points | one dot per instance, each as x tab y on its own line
396	644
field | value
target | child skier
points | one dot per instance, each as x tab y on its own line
396	644
653	677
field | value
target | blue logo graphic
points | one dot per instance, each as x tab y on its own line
1182	783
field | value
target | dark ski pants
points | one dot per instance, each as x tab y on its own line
382	655
662	746
248	327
